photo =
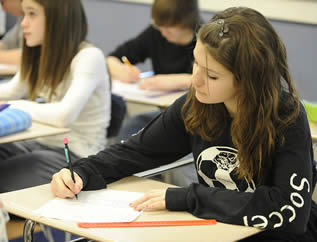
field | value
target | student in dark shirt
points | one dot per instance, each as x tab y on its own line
248	132
168	42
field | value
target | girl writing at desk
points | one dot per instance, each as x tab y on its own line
69	74
247	130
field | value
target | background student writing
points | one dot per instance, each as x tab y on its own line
247	130
168	42
59	66
11	43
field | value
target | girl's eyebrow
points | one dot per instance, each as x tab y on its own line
213	71
206	67
30	8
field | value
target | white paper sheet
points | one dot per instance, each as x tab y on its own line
7	66
133	89
93	206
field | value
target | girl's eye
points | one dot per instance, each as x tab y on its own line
31	14
212	77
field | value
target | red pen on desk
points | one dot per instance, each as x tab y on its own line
4	106
69	161
149	223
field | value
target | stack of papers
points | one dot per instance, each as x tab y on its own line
93	206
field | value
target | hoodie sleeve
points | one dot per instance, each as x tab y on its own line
282	203
162	141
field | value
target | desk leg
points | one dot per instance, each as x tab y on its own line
28	230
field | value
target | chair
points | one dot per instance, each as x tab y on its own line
118	112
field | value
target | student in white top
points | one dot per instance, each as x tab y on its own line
11	43
70	75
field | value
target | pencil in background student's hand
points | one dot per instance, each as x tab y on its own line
126	61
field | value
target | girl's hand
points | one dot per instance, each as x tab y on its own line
159	82
152	200
62	184
166	82
129	74
153	83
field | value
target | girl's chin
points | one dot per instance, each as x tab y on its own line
31	43
204	99
200	98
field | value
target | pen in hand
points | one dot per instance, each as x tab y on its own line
69	161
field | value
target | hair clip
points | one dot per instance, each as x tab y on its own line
223	28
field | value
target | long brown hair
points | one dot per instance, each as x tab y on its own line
45	66
243	41
176	12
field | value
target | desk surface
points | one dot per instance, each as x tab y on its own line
23	202
8	70
35	131
162	101
131	93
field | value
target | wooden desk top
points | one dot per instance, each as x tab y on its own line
131	93
8	70
162	101
23	202
35	131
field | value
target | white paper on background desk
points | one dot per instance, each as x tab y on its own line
93	206
133	89
7	66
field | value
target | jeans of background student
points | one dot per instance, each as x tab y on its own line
28	163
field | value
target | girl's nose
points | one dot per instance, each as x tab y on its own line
197	78
23	22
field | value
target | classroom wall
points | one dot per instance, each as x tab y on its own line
112	22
